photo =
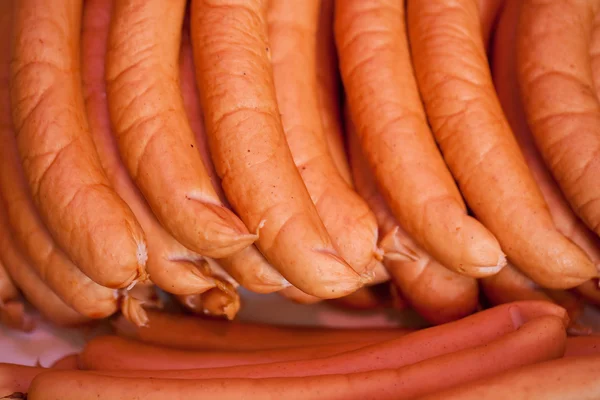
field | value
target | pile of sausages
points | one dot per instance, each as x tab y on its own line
308	148
518	350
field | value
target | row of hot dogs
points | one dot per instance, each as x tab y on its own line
518	350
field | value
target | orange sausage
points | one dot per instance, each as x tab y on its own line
28	239
192	333
434	291
510	285
35	242
488	166
538	340
249	149
153	135
248	267
559	97
504	71
386	109
171	266
86	218
115	353
220	301
362	298
34	289
563	379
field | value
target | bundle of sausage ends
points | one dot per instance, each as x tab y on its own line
445	153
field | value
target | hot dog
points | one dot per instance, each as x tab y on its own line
562	379
171	266
248	267
29	237
193	333
387	112
152	130
293	28
559	96
115	353
448	82
85	216
249	149
438	294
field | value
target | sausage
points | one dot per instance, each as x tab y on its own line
34	289
490	169
298	296
249	149
13	315
437	293
293	28
590	291
28	239
16	378
504	73
248	267
386	109
85	216
115	353
220	301
559	96
171	266
582	346
192	333
152	132
510	285
562	379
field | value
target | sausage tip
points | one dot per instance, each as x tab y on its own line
133	311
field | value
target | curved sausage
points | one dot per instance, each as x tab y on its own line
28	233
562	379
249	149
437	293
85	216
115	353
193	333
390	121
479	147
248	267
559	96
152	132
170	265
